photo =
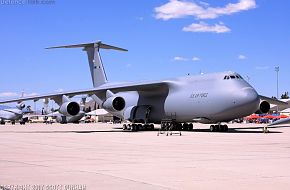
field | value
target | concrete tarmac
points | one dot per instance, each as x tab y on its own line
102	156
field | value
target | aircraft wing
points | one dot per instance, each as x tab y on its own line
144	86
273	101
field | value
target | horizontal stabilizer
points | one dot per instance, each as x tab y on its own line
98	44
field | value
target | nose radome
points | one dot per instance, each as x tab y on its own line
250	95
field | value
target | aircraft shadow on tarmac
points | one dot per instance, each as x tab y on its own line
118	130
237	130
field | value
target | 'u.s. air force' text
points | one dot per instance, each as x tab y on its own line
199	95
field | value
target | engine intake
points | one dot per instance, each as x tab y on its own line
114	104
20	106
69	108
264	107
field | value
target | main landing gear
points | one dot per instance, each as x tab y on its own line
138	127
22	122
219	128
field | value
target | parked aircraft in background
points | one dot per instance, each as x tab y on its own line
208	98
14	114
281	122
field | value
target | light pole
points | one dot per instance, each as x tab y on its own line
277	71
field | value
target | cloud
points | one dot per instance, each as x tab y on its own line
59	90
8	94
177	58
205	4
180	9
140	18
242	57
30	94
262	67
204	27
14	94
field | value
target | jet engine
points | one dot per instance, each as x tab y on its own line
69	108
20	106
114	104
264	107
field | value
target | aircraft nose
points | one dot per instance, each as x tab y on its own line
249	96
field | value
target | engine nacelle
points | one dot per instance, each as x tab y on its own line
264	107
69	108
114	104
20	106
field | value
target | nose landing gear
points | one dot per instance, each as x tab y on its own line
138	127
219	128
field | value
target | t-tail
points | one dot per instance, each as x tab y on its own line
98	73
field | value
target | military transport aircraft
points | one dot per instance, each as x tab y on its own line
208	98
14	114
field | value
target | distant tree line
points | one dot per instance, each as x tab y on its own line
283	96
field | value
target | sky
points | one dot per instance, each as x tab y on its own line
165	39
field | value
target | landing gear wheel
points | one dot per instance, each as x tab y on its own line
133	127
185	127
226	128
221	128
190	127
212	128
218	128
139	126
124	127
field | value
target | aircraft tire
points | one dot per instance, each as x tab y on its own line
190	127
129	127
179	126
222	128
139	127
185	127
226	128
133	127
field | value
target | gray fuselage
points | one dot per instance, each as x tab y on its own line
207	98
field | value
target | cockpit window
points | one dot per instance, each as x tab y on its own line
227	77
240	76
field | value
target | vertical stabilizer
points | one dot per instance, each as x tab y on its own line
98	73
97	70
